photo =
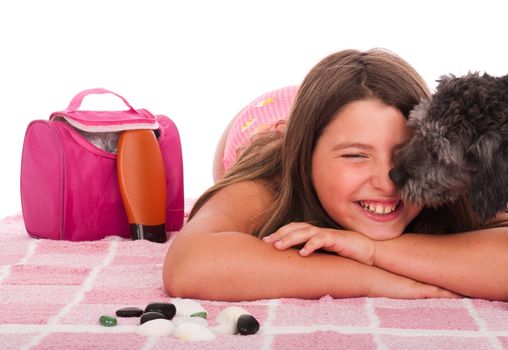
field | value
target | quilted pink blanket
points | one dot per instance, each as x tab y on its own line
52	294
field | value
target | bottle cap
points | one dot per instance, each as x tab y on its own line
154	233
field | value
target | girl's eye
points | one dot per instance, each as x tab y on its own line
354	155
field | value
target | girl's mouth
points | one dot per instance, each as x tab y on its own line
378	208
379	211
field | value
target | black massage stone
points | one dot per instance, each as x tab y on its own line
129	312
167	309
247	324
148	316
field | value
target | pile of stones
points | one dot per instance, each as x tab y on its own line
185	319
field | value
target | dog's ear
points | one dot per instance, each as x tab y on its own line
488	159
484	152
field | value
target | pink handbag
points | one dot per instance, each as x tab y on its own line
69	186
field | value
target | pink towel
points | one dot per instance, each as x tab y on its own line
52	294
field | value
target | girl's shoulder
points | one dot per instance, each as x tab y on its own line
250	194
238	207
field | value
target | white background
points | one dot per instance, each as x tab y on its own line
199	62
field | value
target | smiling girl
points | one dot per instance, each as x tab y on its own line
319	183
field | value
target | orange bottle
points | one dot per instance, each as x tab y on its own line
142	183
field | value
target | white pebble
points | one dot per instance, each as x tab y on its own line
186	307
158	327
227	320
193	332
178	320
231	313
224	328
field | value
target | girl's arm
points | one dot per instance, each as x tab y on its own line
210	258
474	264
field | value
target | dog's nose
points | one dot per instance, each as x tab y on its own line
398	176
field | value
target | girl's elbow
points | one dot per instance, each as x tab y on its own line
172	281
180	273
173	275
503	295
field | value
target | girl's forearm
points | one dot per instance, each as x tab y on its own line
474	264
235	266
231	266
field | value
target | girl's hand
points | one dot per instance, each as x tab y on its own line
348	244
355	246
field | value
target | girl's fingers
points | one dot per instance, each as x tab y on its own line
291	235
295	238
284	231
277	235
297	233
268	239
312	245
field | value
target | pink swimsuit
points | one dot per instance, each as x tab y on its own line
261	114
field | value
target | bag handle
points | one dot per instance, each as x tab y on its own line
78	99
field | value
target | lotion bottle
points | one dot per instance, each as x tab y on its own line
142	182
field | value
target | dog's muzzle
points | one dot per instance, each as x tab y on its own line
398	176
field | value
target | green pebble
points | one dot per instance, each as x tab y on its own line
201	314
107	321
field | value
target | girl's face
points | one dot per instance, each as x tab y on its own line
350	166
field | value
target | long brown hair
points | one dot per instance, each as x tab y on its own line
282	160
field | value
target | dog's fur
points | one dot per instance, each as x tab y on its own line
459	145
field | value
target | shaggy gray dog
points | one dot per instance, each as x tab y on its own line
459	144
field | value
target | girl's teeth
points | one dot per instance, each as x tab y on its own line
378	208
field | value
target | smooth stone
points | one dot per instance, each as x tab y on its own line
247	325
167	309
224	329
159	327
193	332
231	314
107	321
227	320
178	320
129	312
152	315
187	307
